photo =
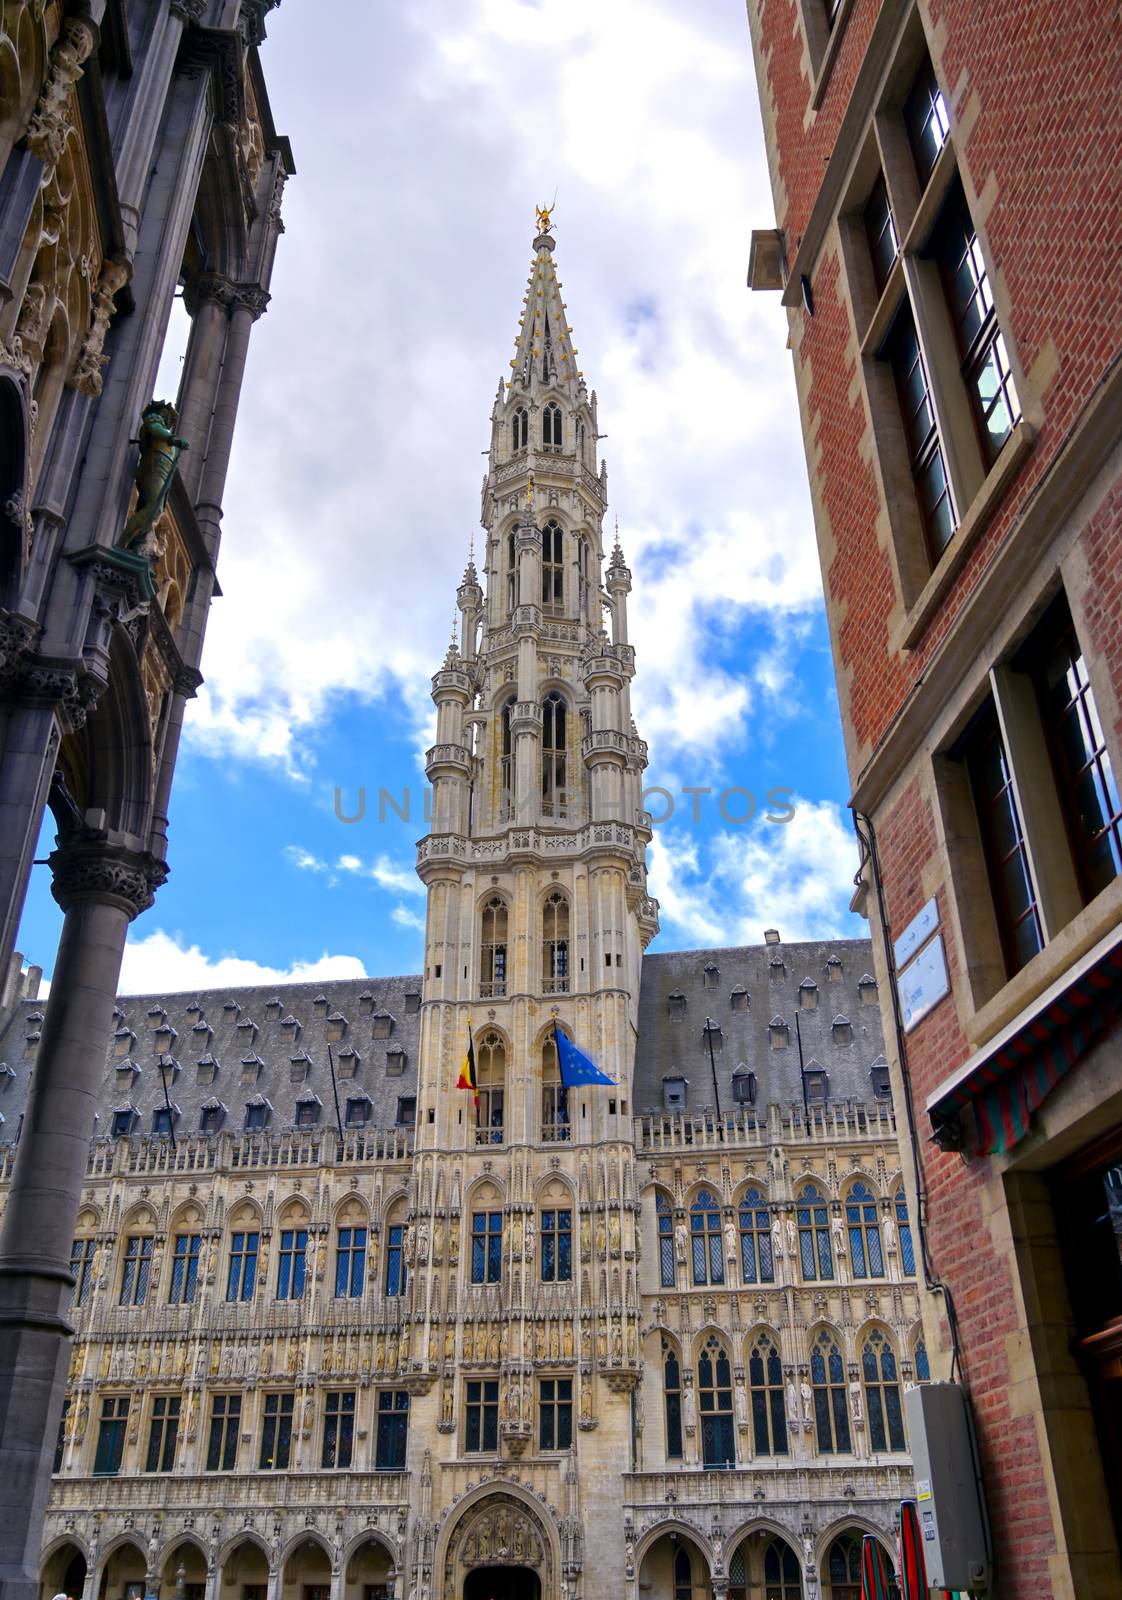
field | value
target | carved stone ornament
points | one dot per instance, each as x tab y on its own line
17	637
85	376
50	124
188	10
90	870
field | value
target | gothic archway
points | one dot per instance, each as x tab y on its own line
499	1549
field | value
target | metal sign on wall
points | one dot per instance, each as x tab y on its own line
921	966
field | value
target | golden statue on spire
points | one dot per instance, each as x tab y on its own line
544	215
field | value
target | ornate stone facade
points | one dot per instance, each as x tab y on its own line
646	1337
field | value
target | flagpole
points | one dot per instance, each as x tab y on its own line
709	1026
335	1092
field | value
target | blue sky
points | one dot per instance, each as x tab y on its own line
421	149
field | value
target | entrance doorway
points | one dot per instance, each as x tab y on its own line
502	1583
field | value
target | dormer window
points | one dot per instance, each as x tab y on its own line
676	1004
126	1074
365	1003
395	1063
336	1027
164	1119
867	990
358	1112
381	1025
291	1026
551	427
298	1067
257	1113
673	1094
251	1068
879	1079
834	970
816	1082
842	1030
744	1086
231	1008
157	1016
519	430
308	1108
779	1036
123	1119
211	1116
248	1030
206	1070
164	1038
738	999
776	968
712	1037
808	995
710	976
319	1005
412	1002
201	1029
123	1041
349	1063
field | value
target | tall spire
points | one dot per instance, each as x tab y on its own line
544	351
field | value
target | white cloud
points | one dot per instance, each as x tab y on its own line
365	421
400	879
797	876
160	963
407	919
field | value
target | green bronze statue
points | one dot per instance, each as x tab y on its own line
160	450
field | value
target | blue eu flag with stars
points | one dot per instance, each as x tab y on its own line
575	1067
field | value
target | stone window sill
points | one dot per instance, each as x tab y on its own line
830	54
979	514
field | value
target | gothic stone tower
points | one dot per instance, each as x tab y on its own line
537	913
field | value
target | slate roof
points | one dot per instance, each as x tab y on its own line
673	1044
239	1046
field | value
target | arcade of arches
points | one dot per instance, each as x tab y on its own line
183	1573
762	1566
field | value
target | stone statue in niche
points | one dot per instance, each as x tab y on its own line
160	450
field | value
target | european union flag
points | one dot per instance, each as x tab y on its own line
575	1067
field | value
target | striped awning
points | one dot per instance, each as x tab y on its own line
875	1576
989	1104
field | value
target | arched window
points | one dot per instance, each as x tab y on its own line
519	429
683	1575
511	572
865	1254
843	1567
714	1393
882	1393
555	1099
904	1231
580	441
506	764
672	1392
814	1235
782	1578
584	560
706	1244
831	1405
492	957
755	1238
665	1218
551	426
554	729
553	566
490	1079
555	944
923	1366
765	1383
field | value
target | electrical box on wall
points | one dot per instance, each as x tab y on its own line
947	1491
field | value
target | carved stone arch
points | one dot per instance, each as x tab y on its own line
859	1175
235	1542
219	220
370	1536
88	1221
140	1217
306	1536
489	1190
711	1330
555	1188
243	1213
293	1207
24	51
757	1524
60	1542
119	1542
351	1210
853	1523
108	764
651	1535
176	1541
189	1216
498	1524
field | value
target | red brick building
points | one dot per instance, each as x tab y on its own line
948	198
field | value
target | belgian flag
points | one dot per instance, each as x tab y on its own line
467	1078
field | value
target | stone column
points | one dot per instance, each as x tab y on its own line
101	888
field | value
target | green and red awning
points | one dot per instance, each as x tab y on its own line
993	1101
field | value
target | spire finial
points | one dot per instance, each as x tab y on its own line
543	216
